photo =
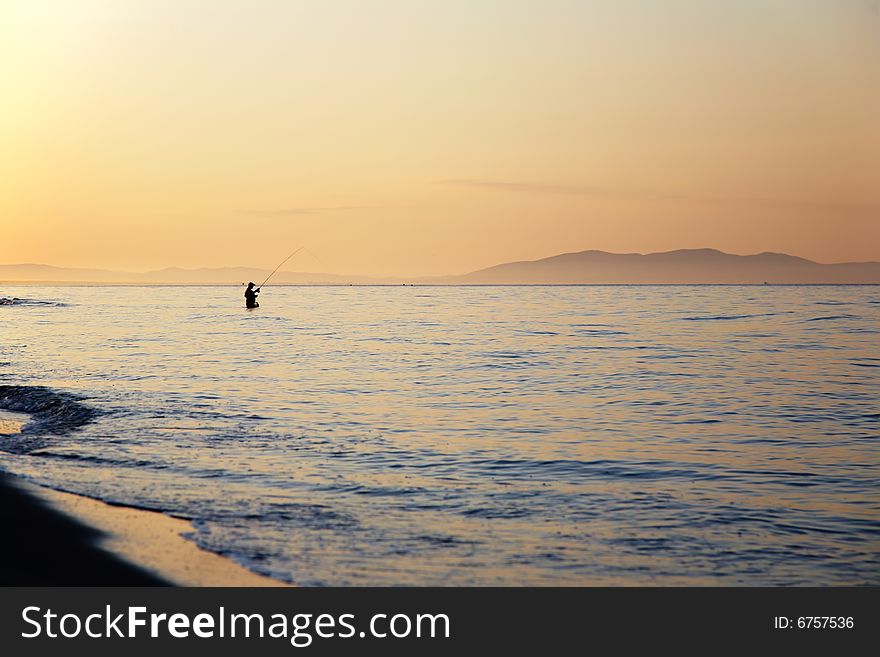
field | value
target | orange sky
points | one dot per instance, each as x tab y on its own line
407	137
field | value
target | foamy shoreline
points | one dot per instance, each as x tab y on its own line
151	540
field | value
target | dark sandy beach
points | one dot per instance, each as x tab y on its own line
61	539
43	547
56	538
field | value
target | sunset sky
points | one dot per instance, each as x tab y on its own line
424	137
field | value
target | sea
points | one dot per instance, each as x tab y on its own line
510	435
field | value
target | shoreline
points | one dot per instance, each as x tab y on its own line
63	539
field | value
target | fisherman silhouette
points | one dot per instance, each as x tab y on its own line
250	296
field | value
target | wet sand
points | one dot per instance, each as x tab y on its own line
59	539
42	547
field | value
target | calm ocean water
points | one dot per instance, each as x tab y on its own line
468	435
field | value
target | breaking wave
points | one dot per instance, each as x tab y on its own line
51	412
17	301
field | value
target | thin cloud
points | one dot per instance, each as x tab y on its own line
293	212
534	188
598	191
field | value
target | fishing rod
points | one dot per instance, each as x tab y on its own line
321	262
279	266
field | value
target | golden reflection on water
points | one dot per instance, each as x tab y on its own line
11	423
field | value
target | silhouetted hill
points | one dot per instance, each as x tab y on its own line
585	267
682	266
243	275
32	273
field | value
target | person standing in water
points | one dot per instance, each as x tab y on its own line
250	296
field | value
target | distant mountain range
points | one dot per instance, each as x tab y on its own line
32	273
585	267
669	267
